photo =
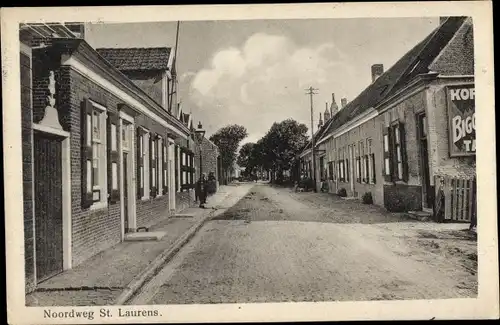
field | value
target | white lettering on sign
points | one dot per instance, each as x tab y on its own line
463	127
462	94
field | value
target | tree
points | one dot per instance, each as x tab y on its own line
281	146
228	140
244	155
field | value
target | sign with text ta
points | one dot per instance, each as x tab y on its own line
462	120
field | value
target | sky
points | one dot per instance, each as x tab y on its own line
255	72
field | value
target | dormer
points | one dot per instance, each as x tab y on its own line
150	69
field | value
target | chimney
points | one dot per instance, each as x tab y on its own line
334	107
320	123
377	71
343	102
327	114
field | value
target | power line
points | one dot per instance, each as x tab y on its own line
311	92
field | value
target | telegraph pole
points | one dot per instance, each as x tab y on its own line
312	91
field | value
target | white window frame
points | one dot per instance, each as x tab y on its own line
102	157
145	159
159	166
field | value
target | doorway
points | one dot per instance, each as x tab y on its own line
427	193
48	187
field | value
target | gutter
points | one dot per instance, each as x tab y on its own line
359	120
418	83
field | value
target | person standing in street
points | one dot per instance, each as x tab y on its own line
201	188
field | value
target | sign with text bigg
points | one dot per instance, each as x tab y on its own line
462	120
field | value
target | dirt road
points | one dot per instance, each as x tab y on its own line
276	246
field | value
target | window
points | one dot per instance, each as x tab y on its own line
94	155
346	167
153	165
395	161
165	167
371	162
330	170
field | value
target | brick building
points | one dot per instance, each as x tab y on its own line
413	122
105	150
209	159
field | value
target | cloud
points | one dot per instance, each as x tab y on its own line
264	81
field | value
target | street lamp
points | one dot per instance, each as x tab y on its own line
199	135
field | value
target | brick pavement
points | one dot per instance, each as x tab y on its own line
100	279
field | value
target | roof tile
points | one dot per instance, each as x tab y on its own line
126	59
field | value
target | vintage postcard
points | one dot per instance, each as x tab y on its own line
293	162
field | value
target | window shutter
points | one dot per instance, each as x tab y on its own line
387	154
113	158
176	168
86	154
402	139
140	163
153	180
367	169
165	168
374	179
347	170
358	169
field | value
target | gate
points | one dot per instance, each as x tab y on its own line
456	199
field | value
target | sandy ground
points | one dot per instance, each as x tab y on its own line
275	246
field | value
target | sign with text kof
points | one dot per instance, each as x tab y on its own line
462	120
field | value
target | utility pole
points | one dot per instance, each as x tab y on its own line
312	91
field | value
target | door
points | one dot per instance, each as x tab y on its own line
125	192
48	205
171	176
427	192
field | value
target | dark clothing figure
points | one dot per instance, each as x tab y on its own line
201	189
212	184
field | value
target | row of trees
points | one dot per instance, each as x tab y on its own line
228	140
277	151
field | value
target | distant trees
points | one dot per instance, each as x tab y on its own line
228	140
277	151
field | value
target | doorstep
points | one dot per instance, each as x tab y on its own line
144	235
419	215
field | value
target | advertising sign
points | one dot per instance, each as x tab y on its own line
462	120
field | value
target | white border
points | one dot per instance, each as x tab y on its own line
485	306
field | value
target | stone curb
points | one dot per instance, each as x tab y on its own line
131	289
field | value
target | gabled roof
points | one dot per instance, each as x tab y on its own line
71	46
414	62
127	59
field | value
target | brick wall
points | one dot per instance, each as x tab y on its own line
152	210
27	148
399	196
93	230
209	152
368	130
440	161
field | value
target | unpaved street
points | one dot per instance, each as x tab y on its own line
275	246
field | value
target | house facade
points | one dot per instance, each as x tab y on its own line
103	154
413	123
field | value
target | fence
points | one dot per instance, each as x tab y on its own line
455	199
